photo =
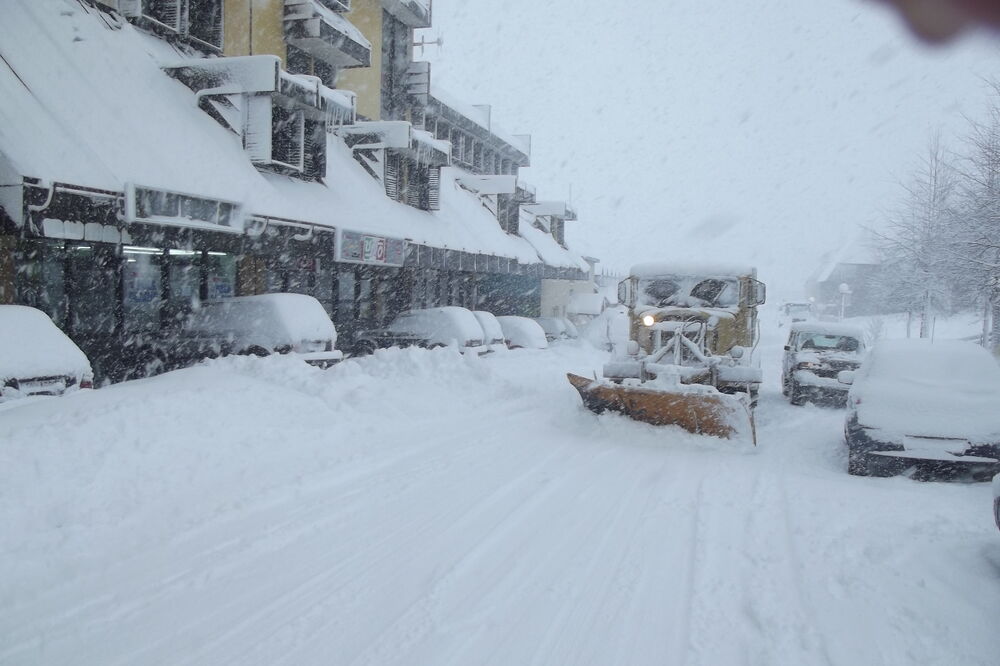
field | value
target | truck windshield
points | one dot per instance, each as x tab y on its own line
688	291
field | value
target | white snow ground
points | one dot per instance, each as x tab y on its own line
424	508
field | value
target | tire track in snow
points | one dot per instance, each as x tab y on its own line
320	609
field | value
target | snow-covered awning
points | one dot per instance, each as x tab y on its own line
551	252
557	209
325	35
397	135
488	185
66	72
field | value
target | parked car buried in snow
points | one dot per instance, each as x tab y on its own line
36	358
257	325
449	326
933	407
793	312
523	333
492	331
816	352
556	328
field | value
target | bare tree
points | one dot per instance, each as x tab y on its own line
979	229
918	245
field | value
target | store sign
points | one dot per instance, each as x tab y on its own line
368	249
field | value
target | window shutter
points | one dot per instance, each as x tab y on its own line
257	134
434	188
391	179
416	182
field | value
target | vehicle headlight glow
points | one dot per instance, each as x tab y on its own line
649	320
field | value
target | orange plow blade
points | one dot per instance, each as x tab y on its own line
702	413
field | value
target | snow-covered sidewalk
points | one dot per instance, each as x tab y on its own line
419	507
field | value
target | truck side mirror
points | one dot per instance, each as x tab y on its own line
759	292
625	292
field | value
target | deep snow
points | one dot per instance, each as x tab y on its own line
421	507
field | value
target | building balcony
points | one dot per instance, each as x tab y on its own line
311	26
413	13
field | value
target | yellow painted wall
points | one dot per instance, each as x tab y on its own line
255	27
366	15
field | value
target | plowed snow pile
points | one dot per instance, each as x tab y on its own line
421	507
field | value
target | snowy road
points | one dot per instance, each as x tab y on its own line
421	508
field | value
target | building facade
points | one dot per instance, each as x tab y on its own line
213	148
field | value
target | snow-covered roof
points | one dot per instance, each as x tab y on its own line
551	252
655	268
481	116
86	103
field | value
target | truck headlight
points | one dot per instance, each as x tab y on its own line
649	320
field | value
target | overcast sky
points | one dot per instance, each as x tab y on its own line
759	132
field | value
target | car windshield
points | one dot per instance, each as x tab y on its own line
688	291
826	342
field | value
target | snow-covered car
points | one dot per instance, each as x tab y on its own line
934	406
554	327
449	326
492	331
793	312
523	333
815	354
36	358
572	332
996	500
257	325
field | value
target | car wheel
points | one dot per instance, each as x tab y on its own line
865	464
795	395
256	350
784	386
363	348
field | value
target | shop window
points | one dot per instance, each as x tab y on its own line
220	275
141	297
183	285
40	278
92	277
345	296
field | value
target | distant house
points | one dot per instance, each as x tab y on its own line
855	264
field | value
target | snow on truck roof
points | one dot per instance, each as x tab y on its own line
828	328
654	268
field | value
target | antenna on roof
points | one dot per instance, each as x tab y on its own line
424	42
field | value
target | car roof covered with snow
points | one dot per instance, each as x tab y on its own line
523	332
491	327
31	345
828	328
266	319
444	325
947	388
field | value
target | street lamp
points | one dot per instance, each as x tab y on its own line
845	291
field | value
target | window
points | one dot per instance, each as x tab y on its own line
141	297
200	20
205	21
288	137
150	204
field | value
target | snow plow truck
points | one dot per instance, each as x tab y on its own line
690	358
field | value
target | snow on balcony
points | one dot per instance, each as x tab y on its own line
325	35
413	13
397	135
488	185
